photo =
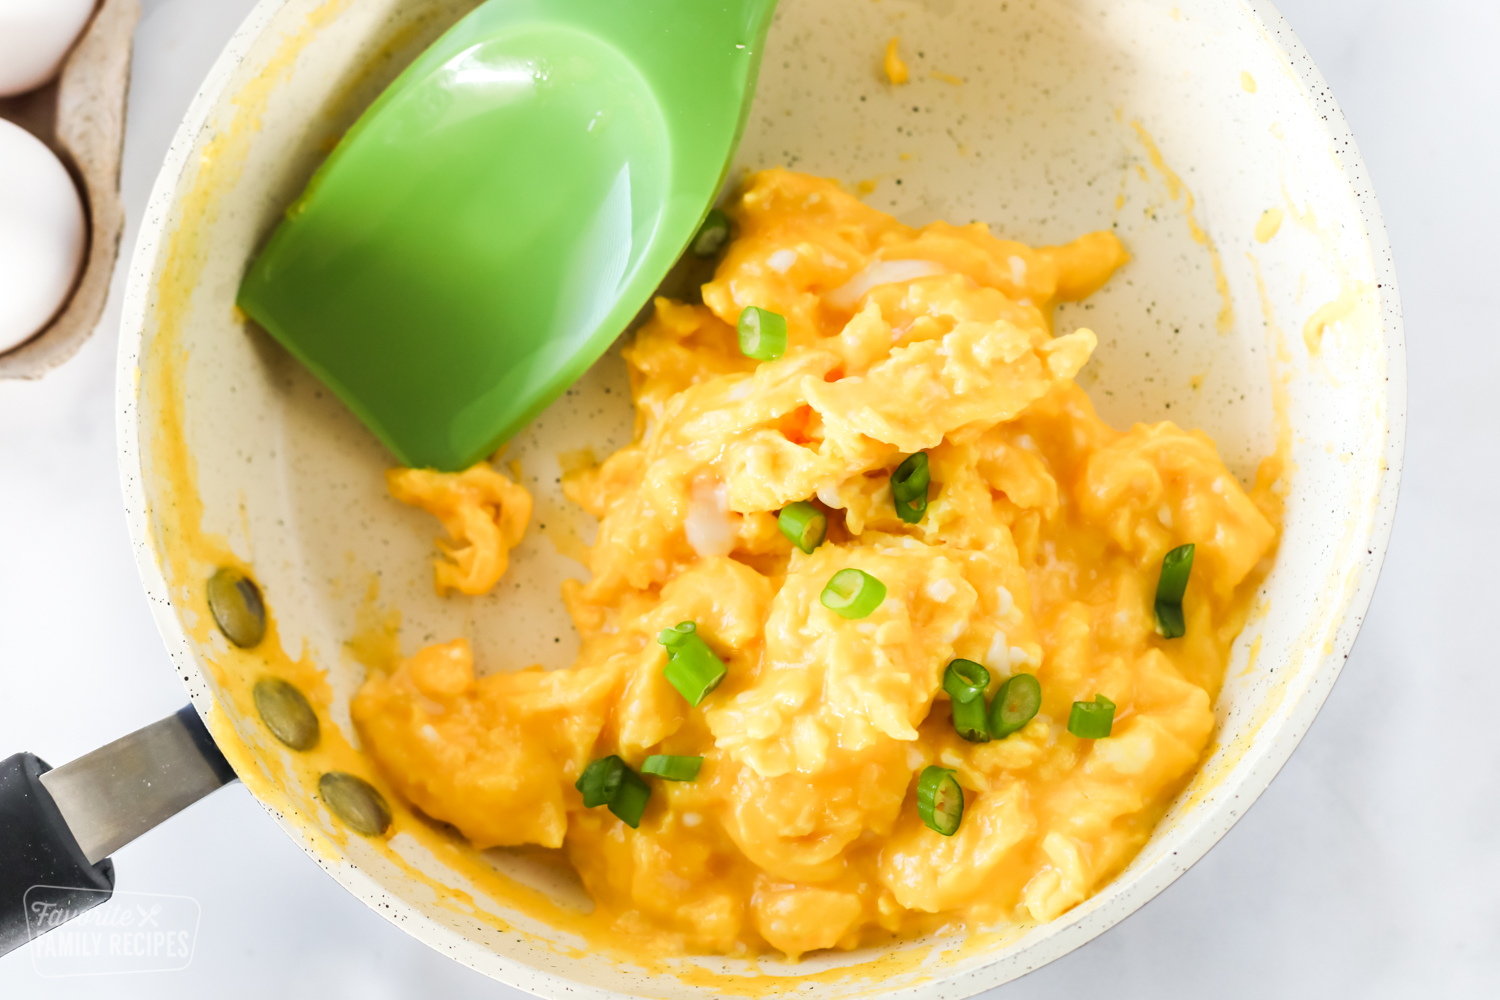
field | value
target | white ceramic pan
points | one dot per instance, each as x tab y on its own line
1260	302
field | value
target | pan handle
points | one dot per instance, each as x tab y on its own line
57	827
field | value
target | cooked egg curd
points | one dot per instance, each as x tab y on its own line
1038	552
484	513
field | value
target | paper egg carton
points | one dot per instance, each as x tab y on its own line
80	115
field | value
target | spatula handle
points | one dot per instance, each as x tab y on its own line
57	832
37	850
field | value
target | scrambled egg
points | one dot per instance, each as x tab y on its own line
484	513
1039	552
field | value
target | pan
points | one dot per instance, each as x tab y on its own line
1260	304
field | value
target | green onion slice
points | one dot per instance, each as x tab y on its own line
629	802
1176	567
677	636
762	334
1015	704
804	524
940	802
965	680
712	235
969	720
609	781
692	668
1170	623
600	780
672	768
1092	720
853	593
909	487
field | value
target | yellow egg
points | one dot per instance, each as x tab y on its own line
1038	552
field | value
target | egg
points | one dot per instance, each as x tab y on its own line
1040	537
42	235
35	35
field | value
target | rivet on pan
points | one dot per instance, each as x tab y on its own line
356	802
286	713
237	607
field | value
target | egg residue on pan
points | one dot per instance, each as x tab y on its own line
822	812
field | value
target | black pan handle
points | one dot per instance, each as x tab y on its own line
37	850
59	826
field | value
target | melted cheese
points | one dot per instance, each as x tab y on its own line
1039	551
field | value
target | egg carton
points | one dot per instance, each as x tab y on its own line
80	116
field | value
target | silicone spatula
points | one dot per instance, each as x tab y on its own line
501	212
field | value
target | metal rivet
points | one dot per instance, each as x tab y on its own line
237	607
355	801
286	713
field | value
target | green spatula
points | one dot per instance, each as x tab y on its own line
497	217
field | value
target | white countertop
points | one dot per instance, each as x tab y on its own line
1370	868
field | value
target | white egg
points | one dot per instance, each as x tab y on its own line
42	235
35	35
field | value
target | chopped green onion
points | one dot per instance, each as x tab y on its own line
692	668
966	681
1015	704
853	593
969	721
1092	720
672	768
1170	623
909	487
762	334
600	780
629	803
940	802
712	235
1176	567
609	781
804	524
677	635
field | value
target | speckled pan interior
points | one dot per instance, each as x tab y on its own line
1179	125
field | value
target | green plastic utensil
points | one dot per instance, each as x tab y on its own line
499	215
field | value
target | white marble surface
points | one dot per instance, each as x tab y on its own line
1370	868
